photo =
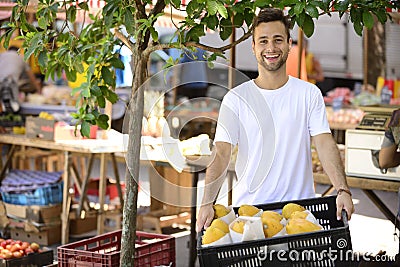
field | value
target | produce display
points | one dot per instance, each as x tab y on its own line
11	249
252	223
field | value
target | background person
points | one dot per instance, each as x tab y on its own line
298	114
314	69
13	68
389	156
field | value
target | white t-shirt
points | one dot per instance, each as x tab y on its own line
273	130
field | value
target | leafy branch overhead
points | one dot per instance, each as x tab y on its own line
90	49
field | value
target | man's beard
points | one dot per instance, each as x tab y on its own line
275	66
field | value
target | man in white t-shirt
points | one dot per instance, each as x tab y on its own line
272	120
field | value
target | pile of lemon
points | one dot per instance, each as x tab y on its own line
294	218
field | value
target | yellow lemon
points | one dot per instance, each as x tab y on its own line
220	224
248	210
220	211
289	208
212	234
297	226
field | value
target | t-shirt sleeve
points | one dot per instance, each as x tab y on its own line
318	122
228	120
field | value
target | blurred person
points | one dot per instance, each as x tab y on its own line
292	63
273	120
389	155
314	69
10	77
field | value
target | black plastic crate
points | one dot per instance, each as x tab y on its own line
31	260
328	247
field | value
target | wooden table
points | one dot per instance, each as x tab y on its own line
367	185
87	146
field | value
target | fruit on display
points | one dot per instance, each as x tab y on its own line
345	115
248	210
220	224
299	215
271	226
220	211
212	234
238	226
271	214
46	116
11	249
298	226
289	208
19	129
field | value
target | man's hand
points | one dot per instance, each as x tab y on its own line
344	201
204	217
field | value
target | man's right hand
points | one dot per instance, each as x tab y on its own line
204	217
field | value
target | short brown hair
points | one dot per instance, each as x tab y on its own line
272	14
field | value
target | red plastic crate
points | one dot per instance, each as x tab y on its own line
104	250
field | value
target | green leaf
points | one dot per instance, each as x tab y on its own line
222	10
102	121
312	11
42	23
192	7
226	29
299	7
261	3
71	14
117	63
101	101
89	117
238	20
212	7
211	22
85	129
154	34
71	75
83	5
195	33
368	19
96	91
358	28
42	58
129	21
176	3
107	76
112	97
248	17
308	26
381	15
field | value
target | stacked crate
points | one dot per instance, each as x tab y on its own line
33	205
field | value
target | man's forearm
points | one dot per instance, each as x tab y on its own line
329	156
216	172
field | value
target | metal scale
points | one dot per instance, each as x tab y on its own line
365	140
376	117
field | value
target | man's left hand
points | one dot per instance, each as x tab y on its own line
344	201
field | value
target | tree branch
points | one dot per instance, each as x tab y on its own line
221	49
158	8
123	38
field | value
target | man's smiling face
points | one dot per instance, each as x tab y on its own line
270	45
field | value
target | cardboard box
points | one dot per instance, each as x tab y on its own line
39	128
79	226
51	130
39	214
46	237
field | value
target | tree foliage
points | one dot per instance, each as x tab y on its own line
124	21
90	49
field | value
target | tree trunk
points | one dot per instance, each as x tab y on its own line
376	59
135	110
